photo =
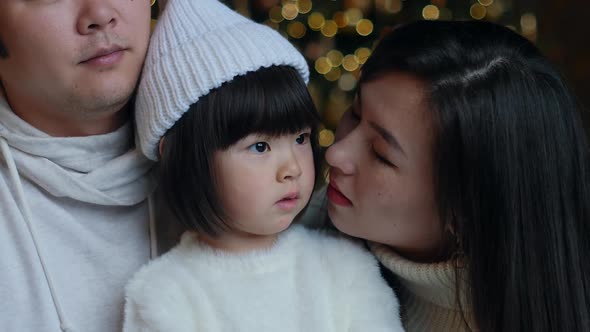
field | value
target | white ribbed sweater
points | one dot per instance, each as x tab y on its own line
426	293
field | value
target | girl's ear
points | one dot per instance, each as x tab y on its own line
161	146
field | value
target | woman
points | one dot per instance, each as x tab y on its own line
465	165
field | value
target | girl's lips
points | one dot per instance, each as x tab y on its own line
288	204
336	197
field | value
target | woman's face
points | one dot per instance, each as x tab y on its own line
381	177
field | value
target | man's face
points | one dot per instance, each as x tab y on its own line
75	58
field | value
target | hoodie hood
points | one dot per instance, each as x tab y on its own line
101	169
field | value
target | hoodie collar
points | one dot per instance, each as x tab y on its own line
100	169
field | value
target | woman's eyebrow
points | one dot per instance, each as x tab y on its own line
388	137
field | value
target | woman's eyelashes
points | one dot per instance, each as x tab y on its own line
382	159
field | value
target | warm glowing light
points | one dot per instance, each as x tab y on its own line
296	30
354	15
485	2
326	138
362	54
329	29
316	21
364	27
430	12
393	6
335	57
341	19
495	10
333	75
276	14
289	11
478	11
304	6
347	82
528	23
323	65
350	63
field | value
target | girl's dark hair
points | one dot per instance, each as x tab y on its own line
511	167
273	101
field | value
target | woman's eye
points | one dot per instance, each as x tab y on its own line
382	160
259	147
302	139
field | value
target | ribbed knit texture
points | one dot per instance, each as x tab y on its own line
427	293
197	46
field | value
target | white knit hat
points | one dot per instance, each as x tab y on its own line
196	46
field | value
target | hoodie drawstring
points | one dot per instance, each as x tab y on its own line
26	213
152	229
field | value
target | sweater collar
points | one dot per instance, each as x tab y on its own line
434	283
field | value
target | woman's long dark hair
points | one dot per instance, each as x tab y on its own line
512	169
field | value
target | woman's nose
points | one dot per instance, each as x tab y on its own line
341	154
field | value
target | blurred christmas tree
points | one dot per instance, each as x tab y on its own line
336	36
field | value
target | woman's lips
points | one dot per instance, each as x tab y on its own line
336	197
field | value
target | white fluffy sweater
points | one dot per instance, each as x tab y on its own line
308	281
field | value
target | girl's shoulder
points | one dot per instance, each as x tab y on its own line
161	274
336	249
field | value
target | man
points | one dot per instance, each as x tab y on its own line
73	189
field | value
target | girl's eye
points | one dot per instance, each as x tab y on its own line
259	147
302	139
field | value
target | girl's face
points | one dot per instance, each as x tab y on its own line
263	183
381	177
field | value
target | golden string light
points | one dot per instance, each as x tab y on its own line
477	11
290	11
304	6
316	21
329	29
350	63
430	12
323	65
335	57
296	29
326	138
364	27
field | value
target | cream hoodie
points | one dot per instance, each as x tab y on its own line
73	227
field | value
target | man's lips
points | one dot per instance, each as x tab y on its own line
335	196
105	56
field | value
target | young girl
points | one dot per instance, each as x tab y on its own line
237	166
